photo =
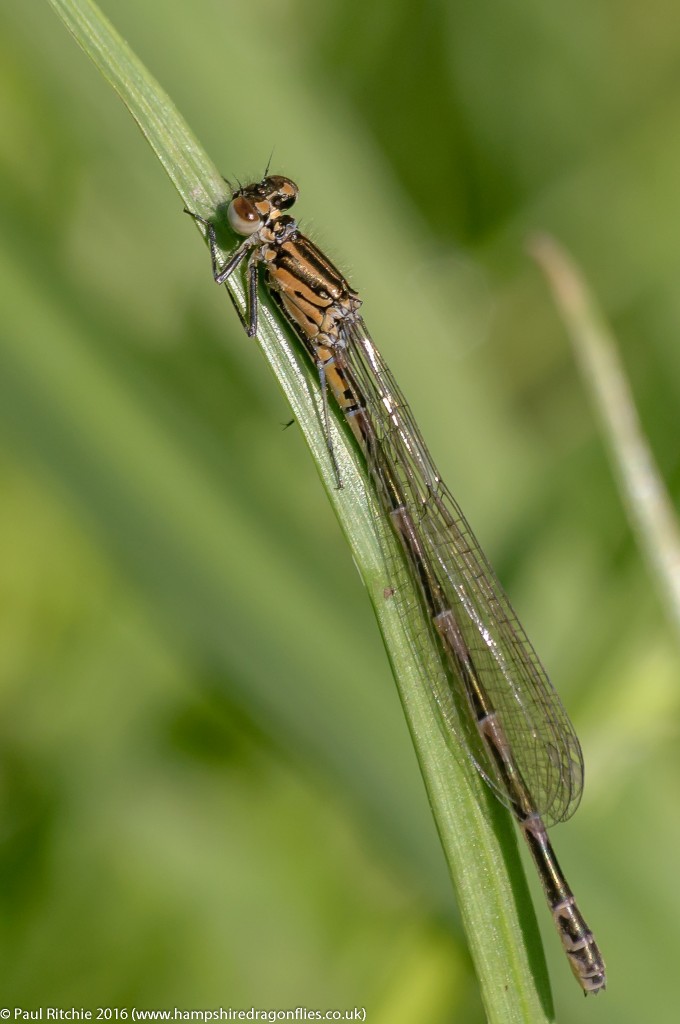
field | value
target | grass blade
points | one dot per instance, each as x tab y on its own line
645	497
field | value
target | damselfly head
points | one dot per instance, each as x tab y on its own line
281	192
253	205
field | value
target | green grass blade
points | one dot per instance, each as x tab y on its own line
476	833
647	502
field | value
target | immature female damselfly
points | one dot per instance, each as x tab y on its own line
496	697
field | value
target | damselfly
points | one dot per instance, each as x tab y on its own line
496	697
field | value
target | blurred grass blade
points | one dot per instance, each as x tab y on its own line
476	833
646	499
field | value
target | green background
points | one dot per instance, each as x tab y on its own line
208	794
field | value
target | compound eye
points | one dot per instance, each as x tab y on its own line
243	217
